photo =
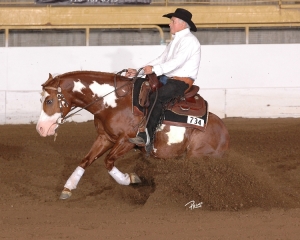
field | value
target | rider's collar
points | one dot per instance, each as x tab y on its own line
181	33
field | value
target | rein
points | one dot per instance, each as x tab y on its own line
63	102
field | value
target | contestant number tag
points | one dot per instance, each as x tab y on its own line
195	121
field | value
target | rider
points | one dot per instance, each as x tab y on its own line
176	68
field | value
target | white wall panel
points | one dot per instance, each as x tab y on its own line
236	80
263	102
3	68
22	107
250	66
29	67
216	99
2	107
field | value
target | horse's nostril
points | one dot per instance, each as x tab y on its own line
41	129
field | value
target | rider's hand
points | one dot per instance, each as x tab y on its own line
130	72
148	69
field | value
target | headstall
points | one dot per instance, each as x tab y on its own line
62	103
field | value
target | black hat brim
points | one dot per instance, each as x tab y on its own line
182	17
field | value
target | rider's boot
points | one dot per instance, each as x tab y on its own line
142	139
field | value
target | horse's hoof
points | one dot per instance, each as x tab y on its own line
134	178
65	195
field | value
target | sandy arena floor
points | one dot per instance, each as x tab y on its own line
252	193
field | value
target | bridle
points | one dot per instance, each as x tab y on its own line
63	102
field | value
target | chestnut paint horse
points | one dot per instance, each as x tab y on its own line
108	97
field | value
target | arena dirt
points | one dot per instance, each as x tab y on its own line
251	193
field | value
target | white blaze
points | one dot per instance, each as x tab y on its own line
78	86
105	89
44	95
46	118
46	124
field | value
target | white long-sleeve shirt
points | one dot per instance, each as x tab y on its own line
181	57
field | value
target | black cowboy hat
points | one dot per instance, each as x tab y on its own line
184	15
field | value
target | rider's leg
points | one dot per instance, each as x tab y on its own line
173	88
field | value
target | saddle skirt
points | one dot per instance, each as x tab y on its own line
190	111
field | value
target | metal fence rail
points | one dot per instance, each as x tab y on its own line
108	36
22	36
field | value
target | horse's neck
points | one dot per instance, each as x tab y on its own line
97	95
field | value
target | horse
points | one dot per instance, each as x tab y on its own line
109	96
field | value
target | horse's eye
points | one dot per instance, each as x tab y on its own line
49	101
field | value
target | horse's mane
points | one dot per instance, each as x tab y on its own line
84	72
67	74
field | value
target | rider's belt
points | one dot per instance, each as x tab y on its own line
187	80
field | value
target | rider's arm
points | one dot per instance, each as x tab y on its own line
187	52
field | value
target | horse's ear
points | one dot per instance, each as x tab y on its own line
49	79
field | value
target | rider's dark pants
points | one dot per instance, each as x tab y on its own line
172	89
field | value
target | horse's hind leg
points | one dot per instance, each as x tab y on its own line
213	142
198	146
100	146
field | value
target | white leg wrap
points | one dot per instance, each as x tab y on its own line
74	178
120	177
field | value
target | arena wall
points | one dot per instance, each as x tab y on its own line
251	81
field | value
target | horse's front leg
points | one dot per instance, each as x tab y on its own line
100	146
121	147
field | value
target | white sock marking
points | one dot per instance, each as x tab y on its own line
74	178
120	177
